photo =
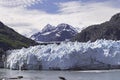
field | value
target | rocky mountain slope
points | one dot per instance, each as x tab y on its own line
10	39
109	30
50	33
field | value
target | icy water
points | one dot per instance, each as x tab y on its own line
69	75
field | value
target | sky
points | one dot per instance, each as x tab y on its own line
30	16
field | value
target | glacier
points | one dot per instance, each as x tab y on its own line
101	54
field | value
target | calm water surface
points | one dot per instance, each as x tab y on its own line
69	75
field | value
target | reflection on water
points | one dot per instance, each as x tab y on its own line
69	75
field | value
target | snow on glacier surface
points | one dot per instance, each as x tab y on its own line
67	55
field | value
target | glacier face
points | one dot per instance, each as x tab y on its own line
101	54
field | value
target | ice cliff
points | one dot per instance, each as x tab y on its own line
101	54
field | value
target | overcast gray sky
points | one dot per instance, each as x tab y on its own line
30	16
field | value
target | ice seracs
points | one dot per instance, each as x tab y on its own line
102	54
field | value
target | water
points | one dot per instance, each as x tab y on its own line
69	75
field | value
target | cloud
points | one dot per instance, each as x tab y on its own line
18	3
20	24
82	7
89	12
70	7
75	13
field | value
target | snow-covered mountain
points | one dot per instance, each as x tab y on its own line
50	33
101	54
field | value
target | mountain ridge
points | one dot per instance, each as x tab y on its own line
10	39
51	33
109	30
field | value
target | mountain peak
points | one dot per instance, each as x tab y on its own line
63	25
1	24
50	33
66	26
47	28
115	18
